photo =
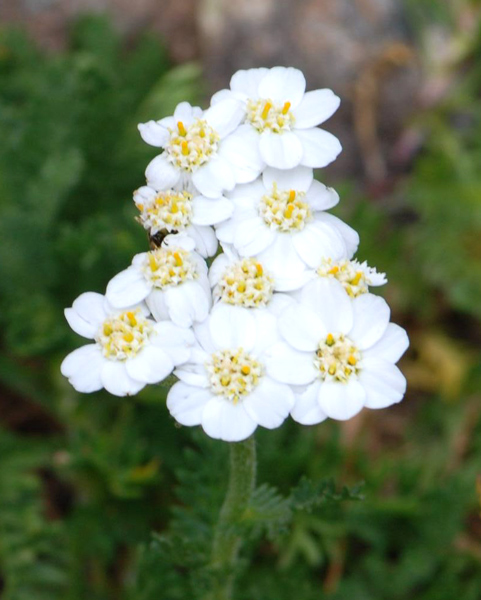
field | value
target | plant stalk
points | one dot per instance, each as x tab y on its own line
227	541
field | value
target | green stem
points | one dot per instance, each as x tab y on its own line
227	541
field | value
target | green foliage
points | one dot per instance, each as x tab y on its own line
105	498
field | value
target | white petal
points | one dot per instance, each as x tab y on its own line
157	306
267	332
179	240
215	176
315	108
317	241
222	95
384	383
278	303
307	410
341	401
79	325
154	133
150	365
187	303
253	236
298	179
204	337
82	368
175	341
392	345
247	82
186	113
349	235
328	299
270	403
204	238
144	195
371	318
161	174
321	197
248	194
301	327
241	151
225	116
218	268
287	365
87	314
210	211
226	421
186	403
116	380
281	150
232	327
283	84
319	147
194	374
282	261
127	287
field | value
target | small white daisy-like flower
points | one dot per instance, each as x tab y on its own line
343	350
172	280
355	277
194	149
129	350
183	210
280	219
281	118
225	387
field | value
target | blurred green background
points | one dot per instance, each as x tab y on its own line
105	499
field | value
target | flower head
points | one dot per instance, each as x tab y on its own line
172	280
225	387
281	220
342	350
129	351
194	149
281	118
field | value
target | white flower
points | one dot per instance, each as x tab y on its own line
130	350
281	118
172	280
244	282
280	219
183	209
194	149
343	350
355	277
225	387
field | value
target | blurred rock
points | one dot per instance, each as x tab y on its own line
359	48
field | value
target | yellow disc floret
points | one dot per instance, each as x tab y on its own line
166	267
285	210
191	146
245	284
265	115
122	336
354	276
167	211
233	373
337	358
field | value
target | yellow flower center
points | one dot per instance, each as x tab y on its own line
354	276
124	335
285	210
167	211
245	284
266	115
192	146
233	373
166	267
337	358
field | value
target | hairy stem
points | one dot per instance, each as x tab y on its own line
227	541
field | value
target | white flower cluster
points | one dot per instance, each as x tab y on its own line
282	322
